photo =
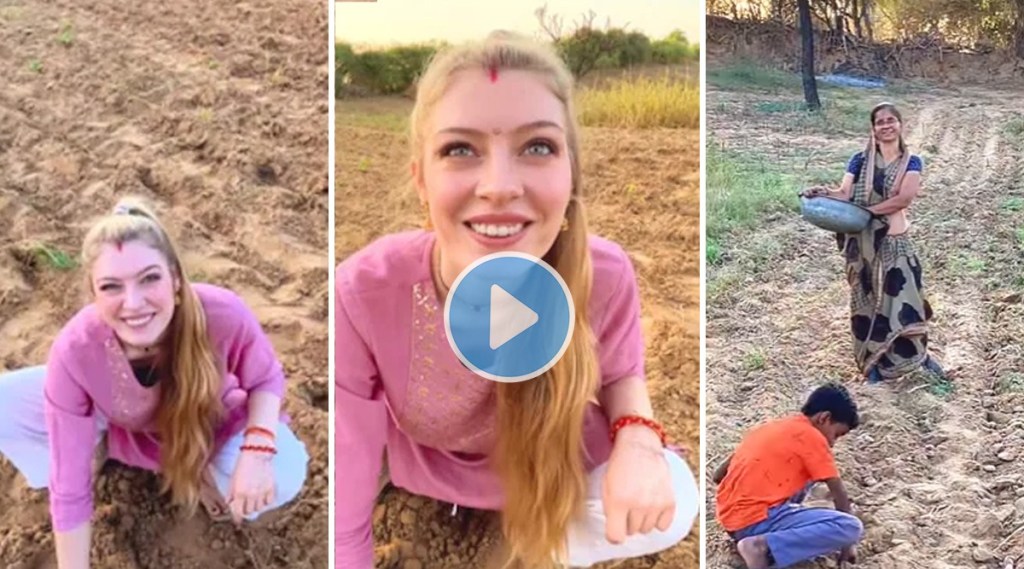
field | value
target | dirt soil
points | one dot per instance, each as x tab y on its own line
216	112
935	471
643	192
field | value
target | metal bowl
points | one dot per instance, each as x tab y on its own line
833	214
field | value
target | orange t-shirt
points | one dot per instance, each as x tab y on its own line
771	464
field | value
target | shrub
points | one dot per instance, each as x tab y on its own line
343	57
635	49
390	71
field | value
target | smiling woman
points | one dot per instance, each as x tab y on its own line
573	458
889	310
156	372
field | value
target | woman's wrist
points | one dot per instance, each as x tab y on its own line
259	431
259	440
638	435
638	429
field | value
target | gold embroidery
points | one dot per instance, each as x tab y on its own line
133	406
447	406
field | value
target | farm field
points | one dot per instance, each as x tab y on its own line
934	471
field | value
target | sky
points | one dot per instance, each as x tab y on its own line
411	21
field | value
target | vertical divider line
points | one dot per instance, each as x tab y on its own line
703	287
331	216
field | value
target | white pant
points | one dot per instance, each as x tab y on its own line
24	441
587	544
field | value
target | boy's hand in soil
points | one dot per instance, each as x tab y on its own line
839	496
722	471
252	484
637	489
848	555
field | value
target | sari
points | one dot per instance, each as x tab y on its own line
889	312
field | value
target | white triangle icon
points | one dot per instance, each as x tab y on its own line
509	317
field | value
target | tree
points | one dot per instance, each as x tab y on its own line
1018	29
678	36
807	34
583	47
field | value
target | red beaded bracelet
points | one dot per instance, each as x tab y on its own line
260	431
259	448
627	420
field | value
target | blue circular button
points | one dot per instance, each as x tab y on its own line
509	317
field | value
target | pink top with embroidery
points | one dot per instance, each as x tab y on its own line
401	387
87	374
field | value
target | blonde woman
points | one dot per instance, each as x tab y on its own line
178	377
495	162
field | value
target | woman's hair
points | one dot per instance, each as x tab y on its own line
896	113
539	453
190	403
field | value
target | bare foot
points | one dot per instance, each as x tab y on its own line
754	551
212	501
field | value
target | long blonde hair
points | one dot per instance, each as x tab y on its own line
190	405
539	453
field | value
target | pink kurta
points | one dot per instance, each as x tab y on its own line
400	385
87	374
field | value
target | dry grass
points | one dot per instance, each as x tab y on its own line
641	103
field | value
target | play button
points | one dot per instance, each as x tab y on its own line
509	317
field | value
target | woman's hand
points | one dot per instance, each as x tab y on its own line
637	493
814	192
252	483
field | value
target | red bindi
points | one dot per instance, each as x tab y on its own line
494	73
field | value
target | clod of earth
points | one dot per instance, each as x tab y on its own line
987	525
982	555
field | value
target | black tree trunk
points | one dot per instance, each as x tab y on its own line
807	34
857	20
1018	29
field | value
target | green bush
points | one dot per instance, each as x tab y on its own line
674	49
607	61
588	49
390	71
383	72
626	49
583	49
635	50
343	57
668	52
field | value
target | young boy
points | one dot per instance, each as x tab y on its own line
762	485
